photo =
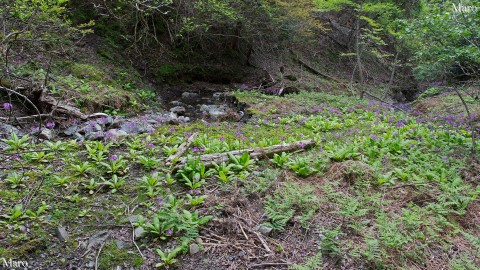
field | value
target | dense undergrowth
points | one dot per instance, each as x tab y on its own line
382	189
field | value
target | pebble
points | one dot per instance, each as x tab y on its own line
62	233
194	249
264	230
139	233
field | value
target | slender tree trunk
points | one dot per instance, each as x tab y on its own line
358	52
392	77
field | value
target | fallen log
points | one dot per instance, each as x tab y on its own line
181	149
257	152
61	106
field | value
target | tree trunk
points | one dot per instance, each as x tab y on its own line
358	52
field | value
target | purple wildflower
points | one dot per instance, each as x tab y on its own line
169	232
194	191
197	149
50	124
113	158
150	145
375	138
7	106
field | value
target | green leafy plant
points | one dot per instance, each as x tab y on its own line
242	163
286	202
193	172
63	181
343	152
14	144
280	160
115	165
151	183
15	215
224	174
195	200
82	168
168	257
115	183
40	157
91	186
301	166
16	180
169	180
149	163
170	150
329	243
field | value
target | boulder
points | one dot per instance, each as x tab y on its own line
179	110
214	111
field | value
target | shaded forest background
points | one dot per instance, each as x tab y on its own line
395	45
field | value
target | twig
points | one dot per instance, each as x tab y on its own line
183	147
269	264
264	243
27	201
244	234
98	255
33	116
27	100
133	240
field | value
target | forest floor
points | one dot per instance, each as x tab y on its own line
380	189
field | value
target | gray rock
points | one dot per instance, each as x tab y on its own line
183	119
117	122
189	96
71	130
115	133
94	135
137	127
62	234
214	111
177	103
179	110
133	218
152	121
194	249
105	121
217	95
6	130
97	239
78	136
121	245
264	230
97	128
46	134
140	233
90	264
23	229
